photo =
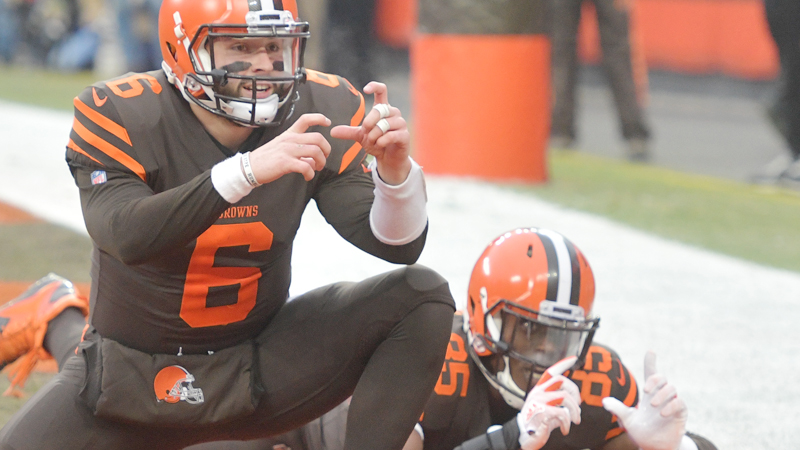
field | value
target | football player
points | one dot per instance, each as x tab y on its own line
193	180
523	371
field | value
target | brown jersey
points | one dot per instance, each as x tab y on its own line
175	267
460	407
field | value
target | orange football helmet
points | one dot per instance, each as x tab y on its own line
187	30
529	301
174	383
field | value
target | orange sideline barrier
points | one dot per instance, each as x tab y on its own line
481	105
745	45
696	36
13	215
395	22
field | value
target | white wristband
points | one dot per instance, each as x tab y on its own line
229	180
247	169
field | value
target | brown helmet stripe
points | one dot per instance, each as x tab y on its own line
575	295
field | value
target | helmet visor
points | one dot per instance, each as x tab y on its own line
535	342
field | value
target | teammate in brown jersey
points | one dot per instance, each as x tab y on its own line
193	181
522	370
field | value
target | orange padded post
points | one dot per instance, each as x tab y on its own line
744	44
395	22
679	35
708	36
481	105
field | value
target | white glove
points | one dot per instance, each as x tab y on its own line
553	402
659	421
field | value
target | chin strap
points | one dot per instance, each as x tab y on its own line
512	394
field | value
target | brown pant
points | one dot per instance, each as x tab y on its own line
613	22
381	341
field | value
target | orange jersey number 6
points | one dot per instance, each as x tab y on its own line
202	274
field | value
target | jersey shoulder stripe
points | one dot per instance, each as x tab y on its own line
74	147
98	132
101	120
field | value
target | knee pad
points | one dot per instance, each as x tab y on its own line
422	279
428	284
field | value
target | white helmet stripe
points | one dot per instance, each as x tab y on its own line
563	269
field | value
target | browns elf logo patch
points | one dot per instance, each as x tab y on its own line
173	384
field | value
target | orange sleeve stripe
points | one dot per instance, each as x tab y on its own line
103	121
351	153
72	145
113	152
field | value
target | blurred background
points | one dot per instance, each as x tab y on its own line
707	71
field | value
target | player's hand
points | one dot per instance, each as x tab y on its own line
294	150
553	403
384	134
659	421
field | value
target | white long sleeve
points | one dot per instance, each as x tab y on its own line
399	214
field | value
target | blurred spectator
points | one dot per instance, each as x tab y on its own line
77	49
613	19
9	29
348	48
32	28
138	33
783	17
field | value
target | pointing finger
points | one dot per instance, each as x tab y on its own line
306	121
380	91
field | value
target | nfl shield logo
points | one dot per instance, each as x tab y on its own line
98	177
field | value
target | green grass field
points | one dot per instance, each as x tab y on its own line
751	222
42	88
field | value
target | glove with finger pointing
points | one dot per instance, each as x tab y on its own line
659	422
553	403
